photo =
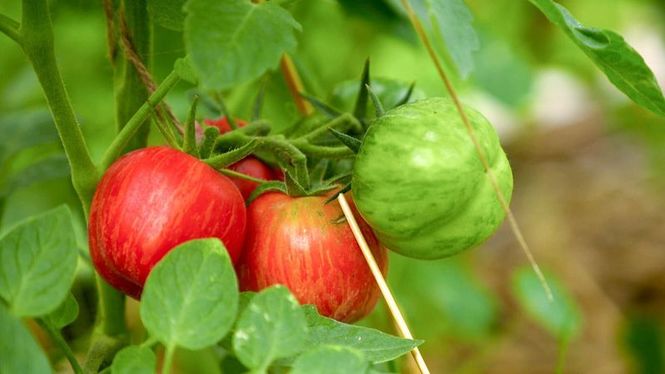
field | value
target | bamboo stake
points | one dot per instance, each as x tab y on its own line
294	83
380	280
418	27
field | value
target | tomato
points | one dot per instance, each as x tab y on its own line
300	243
419	183
151	200
253	167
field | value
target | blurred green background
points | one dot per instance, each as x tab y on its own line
589	172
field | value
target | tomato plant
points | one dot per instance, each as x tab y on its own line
229	236
434	199
151	200
300	242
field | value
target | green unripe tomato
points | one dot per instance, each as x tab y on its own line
419	182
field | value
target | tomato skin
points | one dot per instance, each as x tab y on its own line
151	200
419	183
253	167
295	241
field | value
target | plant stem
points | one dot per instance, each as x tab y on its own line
102	349
320	151
481	155
10	28
235	174
130	91
342	123
37	41
57	338
36	34
133	125
168	359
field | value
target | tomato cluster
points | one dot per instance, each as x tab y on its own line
420	187
155	198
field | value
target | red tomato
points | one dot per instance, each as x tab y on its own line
279	174
153	199
295	241
223	124
253	167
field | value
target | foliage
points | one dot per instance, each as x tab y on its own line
57	140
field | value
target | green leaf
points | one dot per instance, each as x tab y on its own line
65	314
38	263
167	13
448	24
560	317
19	353
375	345
272	326
134	360
233	41
451	20
622	65
24	130
49	168
331	360
448	289
191	297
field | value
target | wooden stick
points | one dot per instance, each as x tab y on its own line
383	286
418	27
294	84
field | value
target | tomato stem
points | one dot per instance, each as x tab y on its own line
129	130
57	338
228	158
189	144
320	151
343	122
36	35
10	28
235	174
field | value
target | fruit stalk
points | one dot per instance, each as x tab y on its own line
10	28
36	36
380	280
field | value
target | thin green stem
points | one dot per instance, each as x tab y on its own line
189	143
10	28
320	151
102	349
340	123
62	344
564	344
134	124
235	174
36	34
230	157
168	359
